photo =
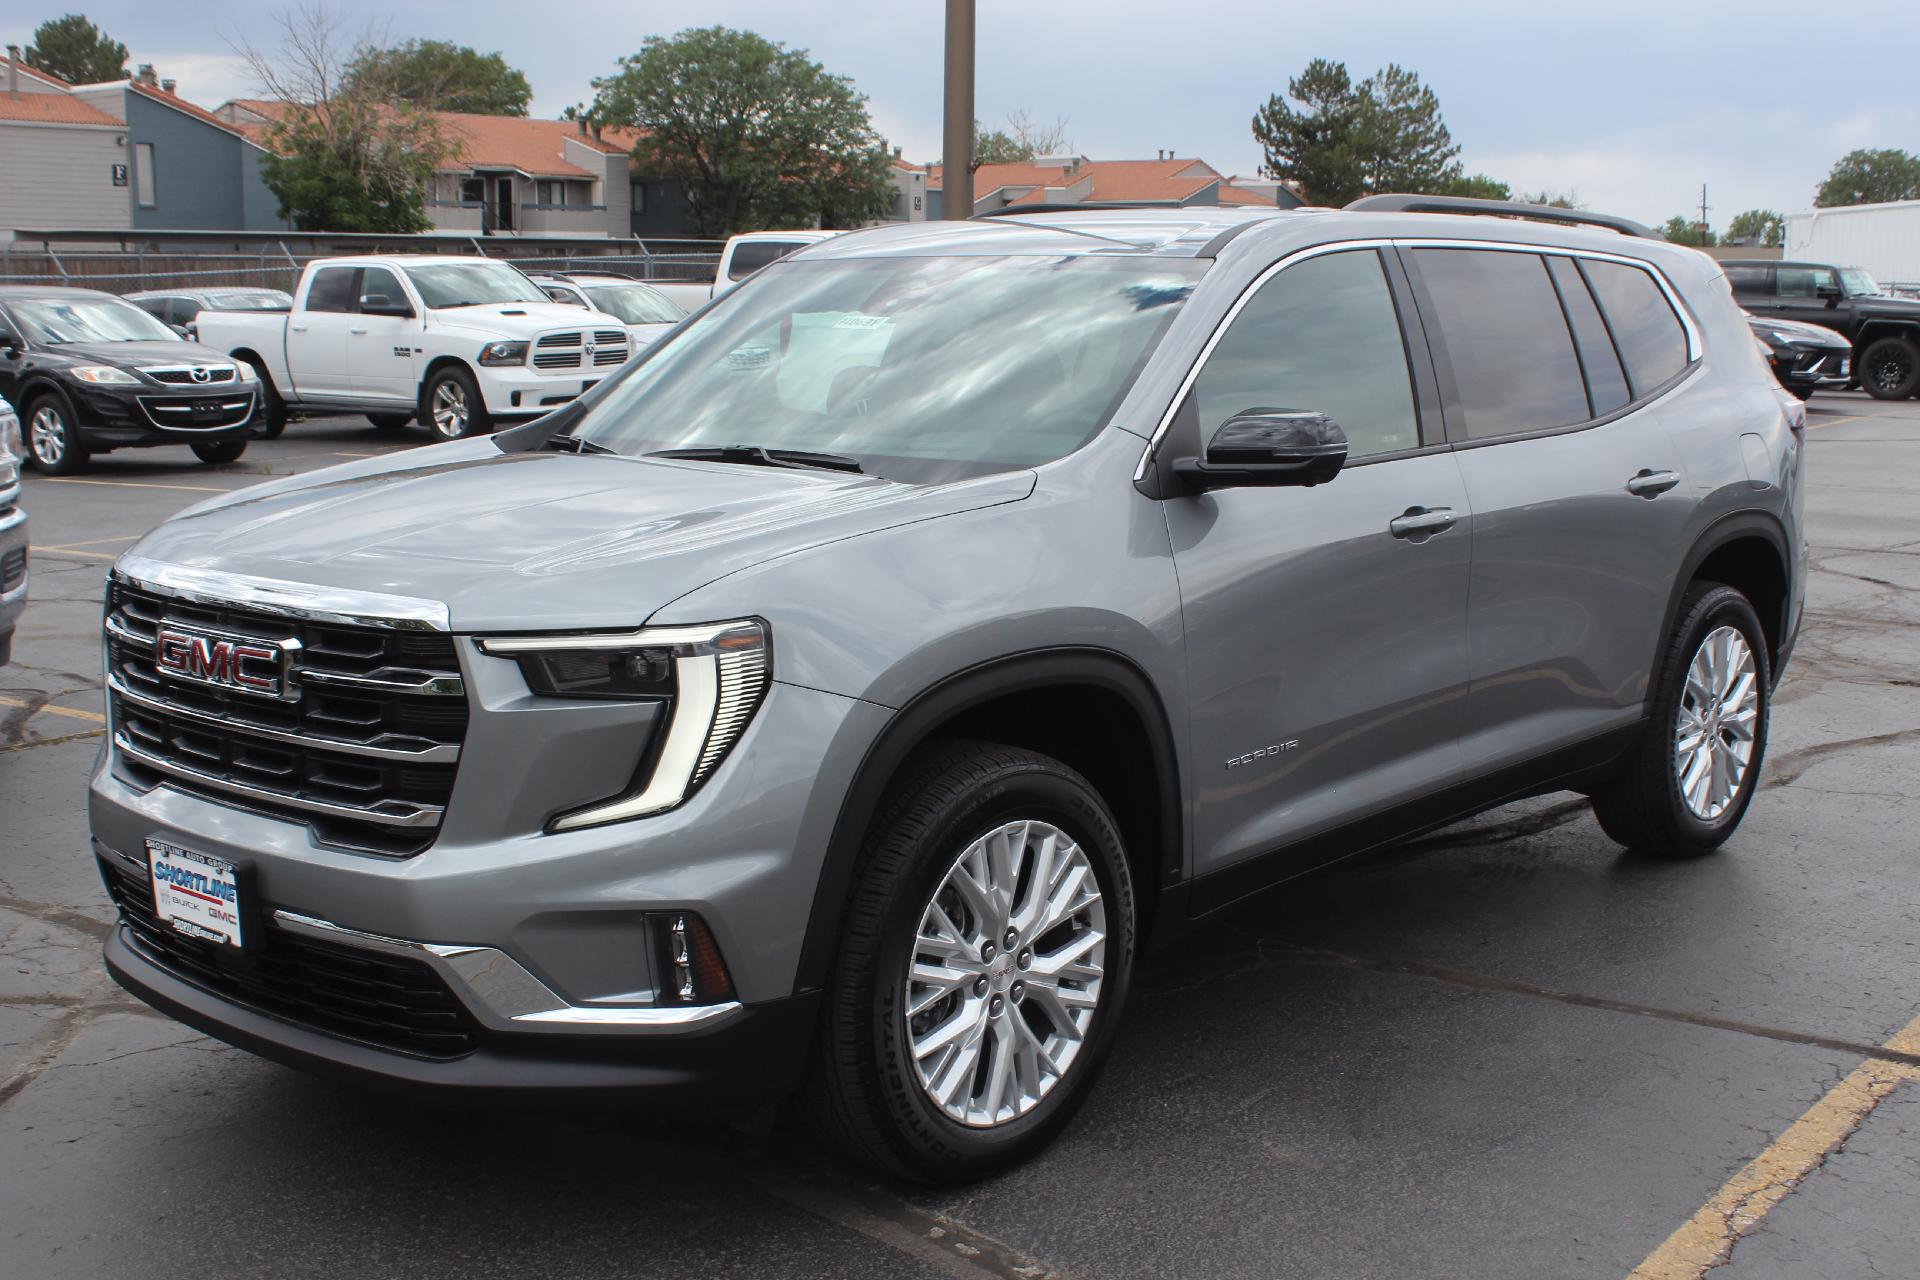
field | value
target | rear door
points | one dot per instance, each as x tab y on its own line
317	335
383	353
1551	367
1325	634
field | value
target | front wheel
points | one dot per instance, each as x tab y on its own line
53	442
451	407
983	964
1690	780
272	419
215	452
1890	369
388	423
1801	393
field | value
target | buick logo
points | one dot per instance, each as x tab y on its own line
200	373
239	663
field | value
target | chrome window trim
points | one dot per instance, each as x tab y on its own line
298	600
501	992
1694	348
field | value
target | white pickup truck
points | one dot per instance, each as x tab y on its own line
459	343
744	254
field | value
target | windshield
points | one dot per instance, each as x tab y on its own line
264	300
1858	283
922	369
469	284
58	320
636	304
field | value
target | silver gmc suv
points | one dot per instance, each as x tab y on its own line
839	699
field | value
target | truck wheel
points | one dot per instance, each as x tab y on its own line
451	407
388	423
215	452
272	418
53	444
1890	369
1689	781
982	966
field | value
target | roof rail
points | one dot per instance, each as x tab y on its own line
1498	209
1010	210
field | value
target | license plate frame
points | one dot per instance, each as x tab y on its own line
199	895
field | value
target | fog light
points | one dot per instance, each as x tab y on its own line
691	969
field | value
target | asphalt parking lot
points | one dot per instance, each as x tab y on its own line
1514	1051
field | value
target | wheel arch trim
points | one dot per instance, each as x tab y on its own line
1723	532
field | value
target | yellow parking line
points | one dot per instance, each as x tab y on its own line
1706	1240
1834	422
137	484
91	542
74	712
81	555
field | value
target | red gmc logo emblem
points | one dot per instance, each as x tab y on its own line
258	667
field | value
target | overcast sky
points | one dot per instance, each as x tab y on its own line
1629	105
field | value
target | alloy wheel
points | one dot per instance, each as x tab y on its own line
450	409
1006	972
1892	370
1713	733
47	436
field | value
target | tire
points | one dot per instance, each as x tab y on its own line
1889	369
864	1085
451	407
215	452
273	410
53	442
388	423
1647	808
1802	393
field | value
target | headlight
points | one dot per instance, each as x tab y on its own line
245	373
100	373
11	445
714	675
504	353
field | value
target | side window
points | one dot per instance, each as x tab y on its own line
1645	329
751	255
1506	340
185	310
1750	277
332	289
382	282
1606	381
1803	282
1320	336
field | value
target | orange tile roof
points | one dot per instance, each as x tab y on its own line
1232	195
1170	181
53	108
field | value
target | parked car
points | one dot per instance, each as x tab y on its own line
1804	357
1884	331
742	256
181	307
647	312
92	373
459	343
13	531
840	698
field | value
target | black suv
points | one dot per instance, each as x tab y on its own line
1884	330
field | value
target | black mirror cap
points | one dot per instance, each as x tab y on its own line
1268	447
379	304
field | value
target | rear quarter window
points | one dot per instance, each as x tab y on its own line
1652	344
1749	277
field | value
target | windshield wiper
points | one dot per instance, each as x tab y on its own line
576	444
754	455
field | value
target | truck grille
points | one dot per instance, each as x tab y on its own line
380	999
13	569
363	750
574	349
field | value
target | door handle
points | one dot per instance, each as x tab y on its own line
358	328
1420	523
296	328
1651	484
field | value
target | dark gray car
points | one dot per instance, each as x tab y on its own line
840	697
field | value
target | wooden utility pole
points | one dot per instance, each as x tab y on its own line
956	199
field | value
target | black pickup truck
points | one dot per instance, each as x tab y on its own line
1884	330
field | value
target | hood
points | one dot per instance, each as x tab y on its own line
645	335
521	319
1886	304
544	541
134	354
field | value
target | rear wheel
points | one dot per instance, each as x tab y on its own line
1890	369
983	964
215	452
1690	780
1803	393
53	443
451	407
388	423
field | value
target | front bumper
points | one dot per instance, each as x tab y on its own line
1823	368
518	391
13	576
110	416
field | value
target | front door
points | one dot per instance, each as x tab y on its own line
317	335
382	350
1326	626
1811	295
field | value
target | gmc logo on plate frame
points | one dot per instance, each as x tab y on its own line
240	663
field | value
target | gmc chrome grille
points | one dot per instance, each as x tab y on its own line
362	749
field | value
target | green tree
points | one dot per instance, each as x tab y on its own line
1022	140
76	51
438	75
346	152
1335	141
1552	200
996	146
1763	226
1683	230
1870	177
761	135
1476	186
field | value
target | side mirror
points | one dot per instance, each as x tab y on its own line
1267	447
379	304
8	341
1831	292
182	330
